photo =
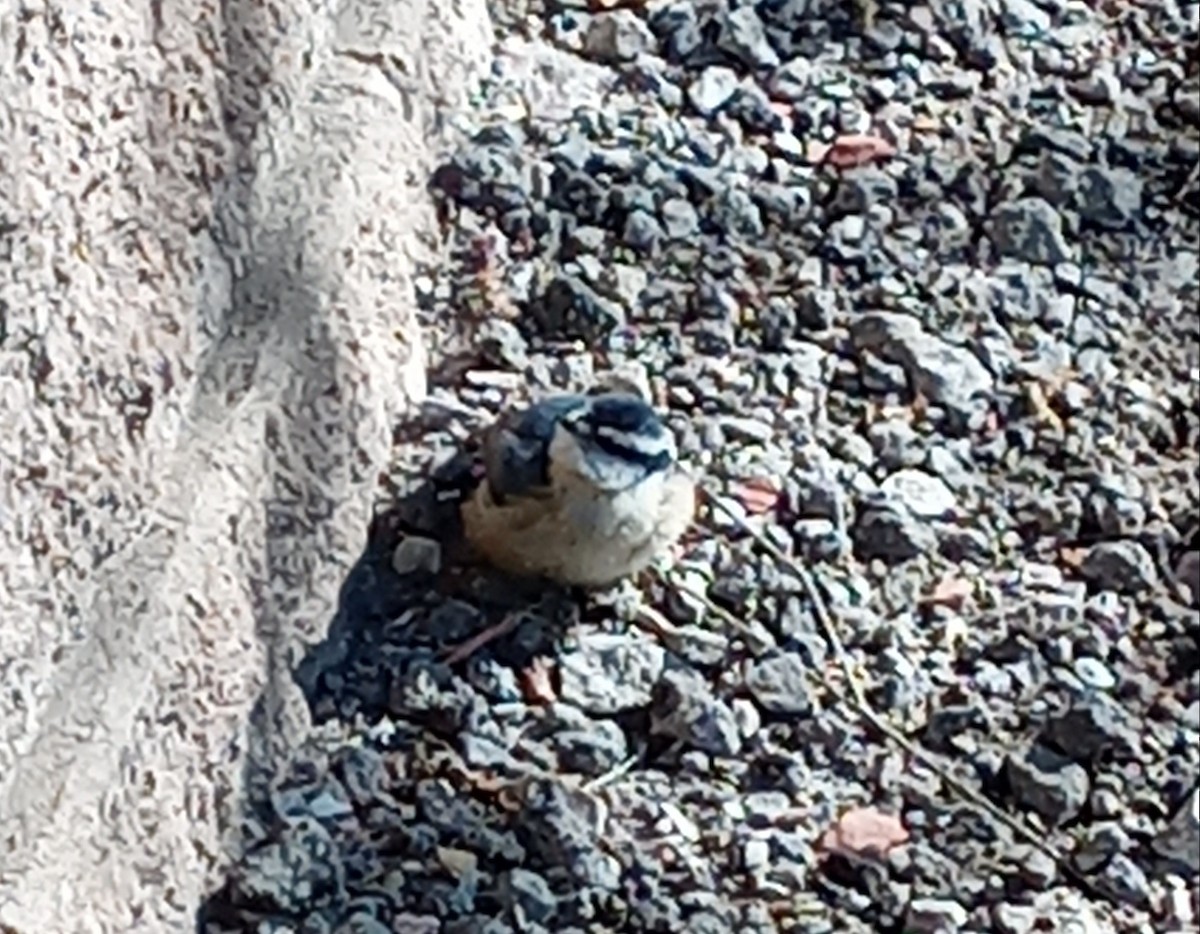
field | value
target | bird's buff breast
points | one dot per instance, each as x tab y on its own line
578	536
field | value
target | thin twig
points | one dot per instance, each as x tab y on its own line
620	770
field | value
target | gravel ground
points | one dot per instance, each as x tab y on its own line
916	285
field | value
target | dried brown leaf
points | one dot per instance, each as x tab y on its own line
1072	558
537	684
758	494
949	591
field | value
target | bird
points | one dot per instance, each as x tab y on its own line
582	490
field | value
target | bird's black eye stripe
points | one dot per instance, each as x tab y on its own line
652	461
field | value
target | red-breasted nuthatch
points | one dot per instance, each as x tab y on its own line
580	489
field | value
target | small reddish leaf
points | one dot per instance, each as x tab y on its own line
758	494
1072	557
854	149
536	683
949	591
864	831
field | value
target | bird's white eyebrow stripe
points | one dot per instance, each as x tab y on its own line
636	441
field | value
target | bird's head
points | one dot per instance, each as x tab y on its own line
613	441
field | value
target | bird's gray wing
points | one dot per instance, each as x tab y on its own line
516	448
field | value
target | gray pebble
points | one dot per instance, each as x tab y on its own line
935	916
1029	229
1038	870
1090	727
684	708
1179	840
1123	566
416	554
890	532
527	896
780	684
1050	784
713	89
1126	880
1095	674
946	374
571	308
921	493
1009	918
610	673
679	219
1110	197
617	36
501	344
742	36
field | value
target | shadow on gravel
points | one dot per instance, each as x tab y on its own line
383	662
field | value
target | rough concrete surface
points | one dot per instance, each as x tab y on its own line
208	213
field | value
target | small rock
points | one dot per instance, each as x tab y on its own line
416	554
361	922
1023	18
751	430
527	896
896	444
742	36
679	219
935	916
594	749
923	494
569	308
1098	844
642	231
1095	674
1126	881
756	855
416	924
1109	197
1187	570
752	107
1029	229
489	179
779	684
818	539
1038	870
1008	918
1090	728
890	532
1106	804
501	344
1180	911
1123	566
749	720
685	708
608	674
617	36
285	874
1050	784
791	82
1179	842
947	375
713	89
679	28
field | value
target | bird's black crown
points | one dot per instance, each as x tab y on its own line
623	425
